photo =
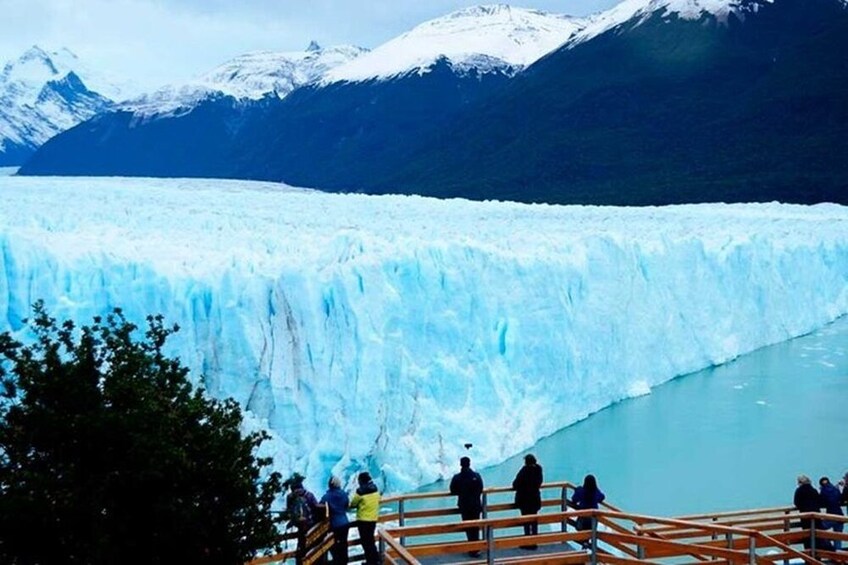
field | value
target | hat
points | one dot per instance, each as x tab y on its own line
294	481
364	477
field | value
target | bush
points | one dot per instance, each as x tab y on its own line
108	454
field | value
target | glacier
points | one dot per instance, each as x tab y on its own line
384	332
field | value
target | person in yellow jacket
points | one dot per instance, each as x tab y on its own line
366	501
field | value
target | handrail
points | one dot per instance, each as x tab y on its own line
788	549
396	546
732	513
733	536
488	490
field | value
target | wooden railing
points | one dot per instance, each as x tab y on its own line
425	526
615	538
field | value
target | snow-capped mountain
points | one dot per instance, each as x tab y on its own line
651	102
44	93
247	77
482	38
636	12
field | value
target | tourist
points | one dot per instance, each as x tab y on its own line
528	497
587	497
337	502
831	499
467	485
300	510
807	499
844	485
366	501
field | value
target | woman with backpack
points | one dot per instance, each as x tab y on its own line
300	511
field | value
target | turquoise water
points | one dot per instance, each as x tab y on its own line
729	437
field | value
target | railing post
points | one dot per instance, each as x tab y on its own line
640	551
594	539
564	508
813	538
490	545
786	529
401	521
729	537
382	549
752	550
485	505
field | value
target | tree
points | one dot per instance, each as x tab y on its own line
109	455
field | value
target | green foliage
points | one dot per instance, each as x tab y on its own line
108	454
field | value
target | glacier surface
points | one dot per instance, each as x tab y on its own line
383	332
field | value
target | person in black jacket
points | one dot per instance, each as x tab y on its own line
528	497
467	485
807	499
843	484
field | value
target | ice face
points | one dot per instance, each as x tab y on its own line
383	333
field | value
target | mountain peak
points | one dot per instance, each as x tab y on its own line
247	77
638	11
503	36
480	10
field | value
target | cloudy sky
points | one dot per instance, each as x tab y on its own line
159	41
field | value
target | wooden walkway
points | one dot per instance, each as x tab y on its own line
425	529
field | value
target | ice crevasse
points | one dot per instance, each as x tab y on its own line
383	333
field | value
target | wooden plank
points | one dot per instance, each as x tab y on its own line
511	542
394	499
720	515
838	556
316	533
316	554
659	548
618	560
276	558
565	558
395	546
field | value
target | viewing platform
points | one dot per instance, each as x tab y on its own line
425	529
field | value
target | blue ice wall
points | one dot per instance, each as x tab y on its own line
385	332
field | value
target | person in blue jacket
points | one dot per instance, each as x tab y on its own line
589	496
831	499
337	502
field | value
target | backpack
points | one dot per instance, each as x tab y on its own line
300	514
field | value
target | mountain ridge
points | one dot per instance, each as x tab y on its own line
674	103
511	38
43	93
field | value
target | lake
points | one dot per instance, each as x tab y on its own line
729	437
